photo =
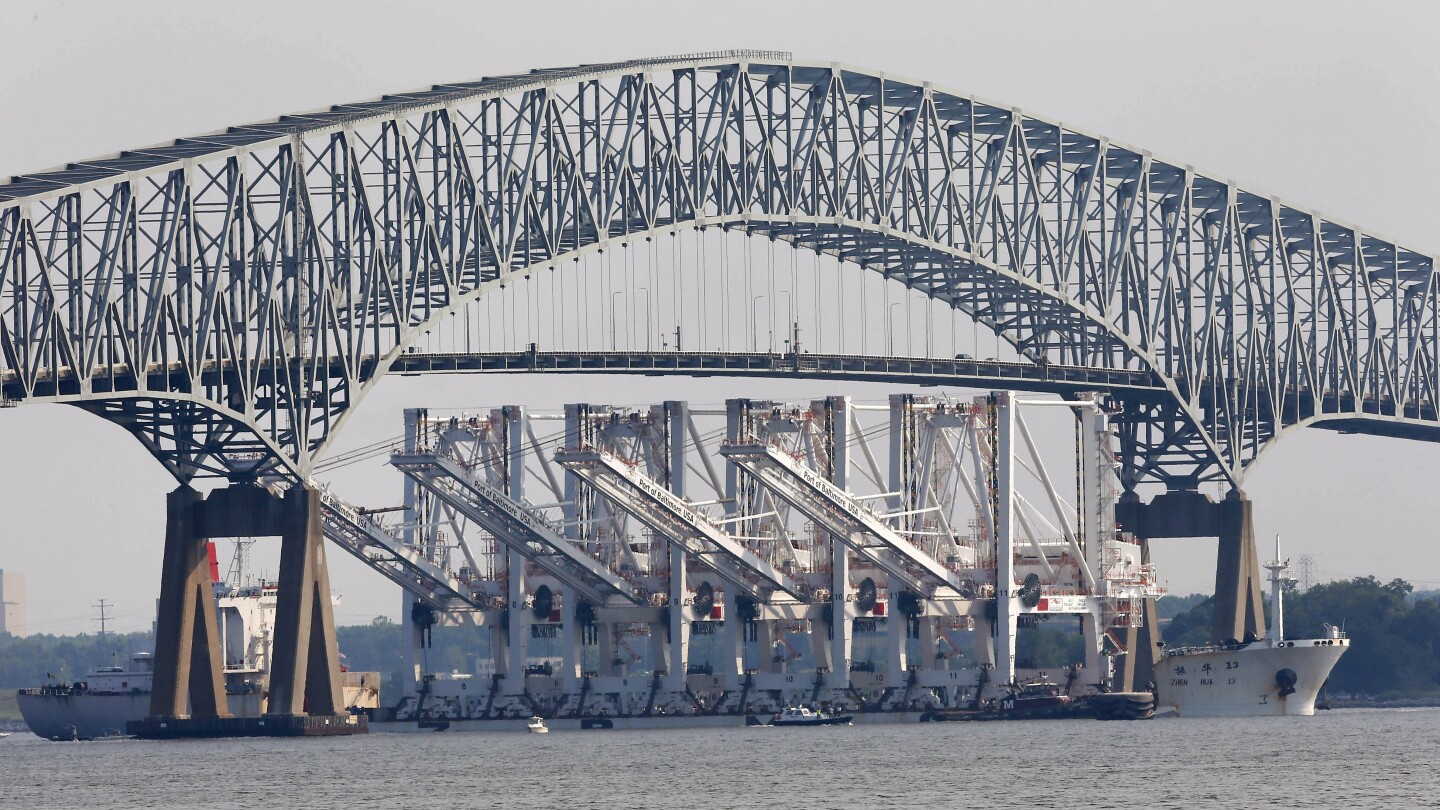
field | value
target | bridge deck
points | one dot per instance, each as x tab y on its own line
1338	412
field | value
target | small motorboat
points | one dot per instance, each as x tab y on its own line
537	725
4	734
804	716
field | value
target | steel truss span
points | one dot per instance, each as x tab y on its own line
228	297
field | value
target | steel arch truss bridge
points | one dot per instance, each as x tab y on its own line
228	297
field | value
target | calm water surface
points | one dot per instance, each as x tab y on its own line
1342	758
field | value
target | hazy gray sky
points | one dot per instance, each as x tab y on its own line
1331	105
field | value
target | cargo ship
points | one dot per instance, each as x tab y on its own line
1265	677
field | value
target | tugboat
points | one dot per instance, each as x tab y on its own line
1034	700
1261	678
804	716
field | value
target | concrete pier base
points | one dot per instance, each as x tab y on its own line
171	728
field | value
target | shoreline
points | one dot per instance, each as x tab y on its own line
1393	703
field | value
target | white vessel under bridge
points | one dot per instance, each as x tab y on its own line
1271	676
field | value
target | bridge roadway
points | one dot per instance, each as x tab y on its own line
1379	417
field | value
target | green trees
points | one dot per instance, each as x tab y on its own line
35	660
1189	628
1393	644
376	647
1054	645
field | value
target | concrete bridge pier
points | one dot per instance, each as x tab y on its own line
188	669
1239	612
305	674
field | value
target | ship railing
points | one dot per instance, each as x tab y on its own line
1206	648
58	689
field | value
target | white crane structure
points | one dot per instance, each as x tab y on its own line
912	595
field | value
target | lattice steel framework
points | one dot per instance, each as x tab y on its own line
228	297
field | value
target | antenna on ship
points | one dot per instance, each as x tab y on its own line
1277	596
239	562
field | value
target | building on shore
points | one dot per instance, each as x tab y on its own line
12	603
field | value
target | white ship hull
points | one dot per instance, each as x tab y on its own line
1247	682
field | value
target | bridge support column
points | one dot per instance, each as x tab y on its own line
1142	653
188	669
1239	612
305	674
305	678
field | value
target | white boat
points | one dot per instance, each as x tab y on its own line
4	734
1270	676
100	704
537	725
804	716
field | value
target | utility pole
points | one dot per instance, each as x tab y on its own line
104	619
1306	567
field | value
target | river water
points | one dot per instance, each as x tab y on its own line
1342	758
